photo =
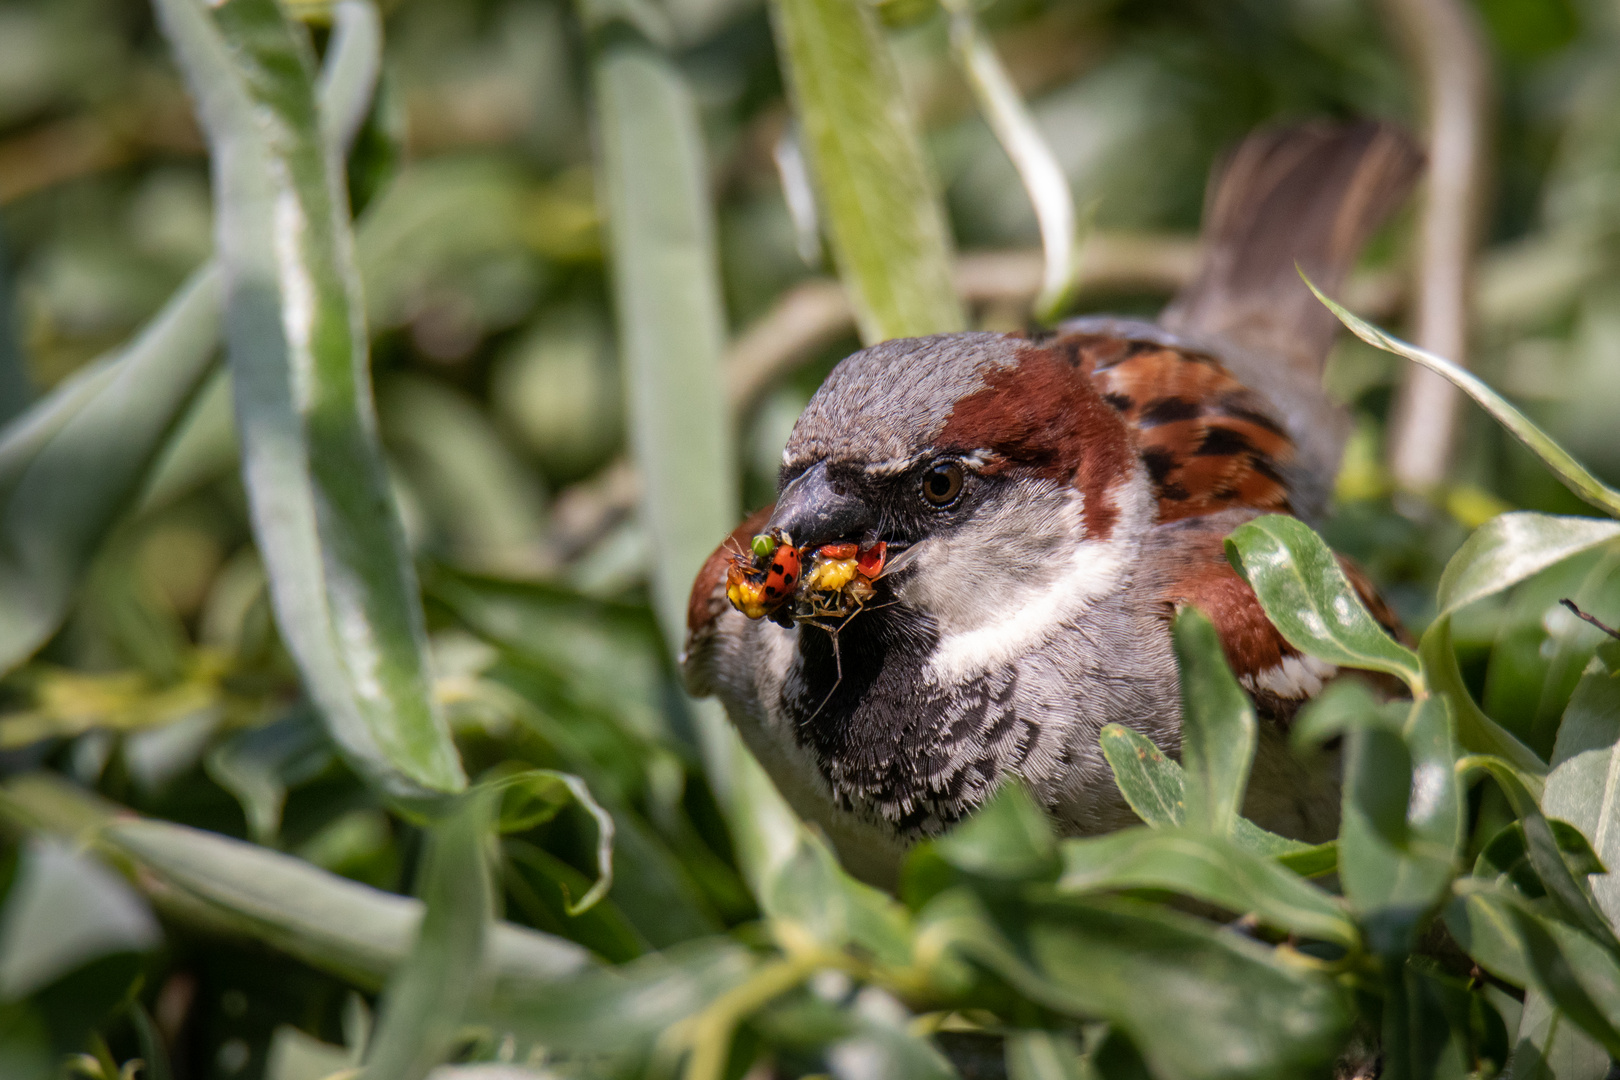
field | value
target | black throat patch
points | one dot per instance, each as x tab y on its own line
890	744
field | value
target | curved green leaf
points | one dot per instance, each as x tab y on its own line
1511	547
1584	785
342	583
354	931
1307	598
1211	869
1476	731
75	462
882	209
1573	474
1218	732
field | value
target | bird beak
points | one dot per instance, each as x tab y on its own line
813	512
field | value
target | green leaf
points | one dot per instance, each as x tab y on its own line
1218	731
1549	1046
1512	547
1038	167
342	583
1240	1009
356	932
1401	822
1565	886
1573	474
1584	785
63	910
430	992
672	327
1154	786
76	461
1209	868
621	1010
1045	1055
1476	732
533	796
1009	838
883	213
1307	598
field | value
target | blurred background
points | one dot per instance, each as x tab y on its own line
501	401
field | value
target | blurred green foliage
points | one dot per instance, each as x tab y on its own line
517	371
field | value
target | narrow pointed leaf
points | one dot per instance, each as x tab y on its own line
1218	731
431	991
1038	167
342	583
76	461
1308	599
1572	473
879	200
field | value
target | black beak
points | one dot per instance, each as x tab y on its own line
813	512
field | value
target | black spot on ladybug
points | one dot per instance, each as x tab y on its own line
770	590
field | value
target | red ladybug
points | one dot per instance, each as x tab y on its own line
782	575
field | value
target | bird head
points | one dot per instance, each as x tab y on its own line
1006	488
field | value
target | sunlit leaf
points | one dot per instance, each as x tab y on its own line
882	209
76	461
341	580
1308	599
1208	868
1573	474
1511	547
1218	731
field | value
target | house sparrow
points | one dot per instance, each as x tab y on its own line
1047	502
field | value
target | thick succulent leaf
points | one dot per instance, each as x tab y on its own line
883	211
1584	785
1218	731
1573	474
354	931
1208	868
1565	884
430	992
1239	1008
1401	822
342	583
1512	547
1308	599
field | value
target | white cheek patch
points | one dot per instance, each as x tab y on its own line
1296	678
999	590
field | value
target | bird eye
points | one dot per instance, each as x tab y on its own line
942	483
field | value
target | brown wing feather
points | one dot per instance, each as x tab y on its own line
1208	442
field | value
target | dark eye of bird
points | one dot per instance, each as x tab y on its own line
942	483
